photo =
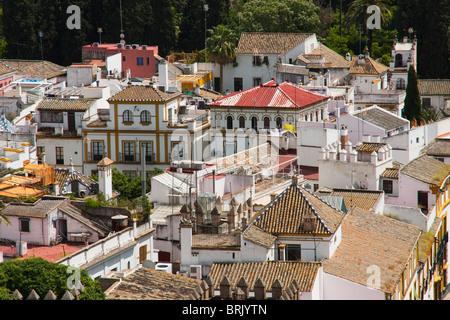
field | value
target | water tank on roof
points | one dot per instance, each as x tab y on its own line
119	222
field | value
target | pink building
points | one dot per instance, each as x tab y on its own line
140	59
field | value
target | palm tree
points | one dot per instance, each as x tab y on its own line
357	14
221	47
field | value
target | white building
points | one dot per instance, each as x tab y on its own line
404	55
343	166
257	55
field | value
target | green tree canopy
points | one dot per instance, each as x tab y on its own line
42	276
279	16
221	46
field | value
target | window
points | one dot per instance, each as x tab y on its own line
94	173
177	150
257	61
147	151
146	116
279	122
426	102
254	122
388	186
123	58
140	61
256	82
24	224
59	155
242	122
97	150
148	60
51	117
293	252
401	84
229	122
127	116
238	84
128	151
422	200
266	123
130	174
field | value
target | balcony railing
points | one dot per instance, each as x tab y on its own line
136	158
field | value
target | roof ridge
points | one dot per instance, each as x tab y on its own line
314	210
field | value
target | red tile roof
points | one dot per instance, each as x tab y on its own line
271	94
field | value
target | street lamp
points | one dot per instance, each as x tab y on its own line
100	30
42	55
205	8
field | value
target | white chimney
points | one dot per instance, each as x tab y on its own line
163	75
105	177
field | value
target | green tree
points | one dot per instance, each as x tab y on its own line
221	47
413	108
127	187
42	276
357	14
279	16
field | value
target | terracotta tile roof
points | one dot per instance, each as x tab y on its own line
65	104
296	211
259	236
4	69
370	146
278	43
370	239
39	209
268	271
65	177
33	68
150	284
215	241
426	169
271	94
381	118
438	148
369	66
142	93
433	87
332	58
390	173
364	199
105	162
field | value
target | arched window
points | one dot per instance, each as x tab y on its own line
242	122
145	116
254	121
229	122
127	116
398	60
279	122
266	123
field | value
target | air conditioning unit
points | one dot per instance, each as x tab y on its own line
162	266
135	46
195	271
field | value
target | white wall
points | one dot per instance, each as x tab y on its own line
407	192
335	288
410	215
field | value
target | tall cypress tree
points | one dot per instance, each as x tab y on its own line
413	108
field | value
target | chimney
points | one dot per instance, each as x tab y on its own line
277	289
243	223
225	288
244	286
373	158
215	217
344	135
260	289
105	177
163	75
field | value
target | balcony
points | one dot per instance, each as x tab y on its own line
136	158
